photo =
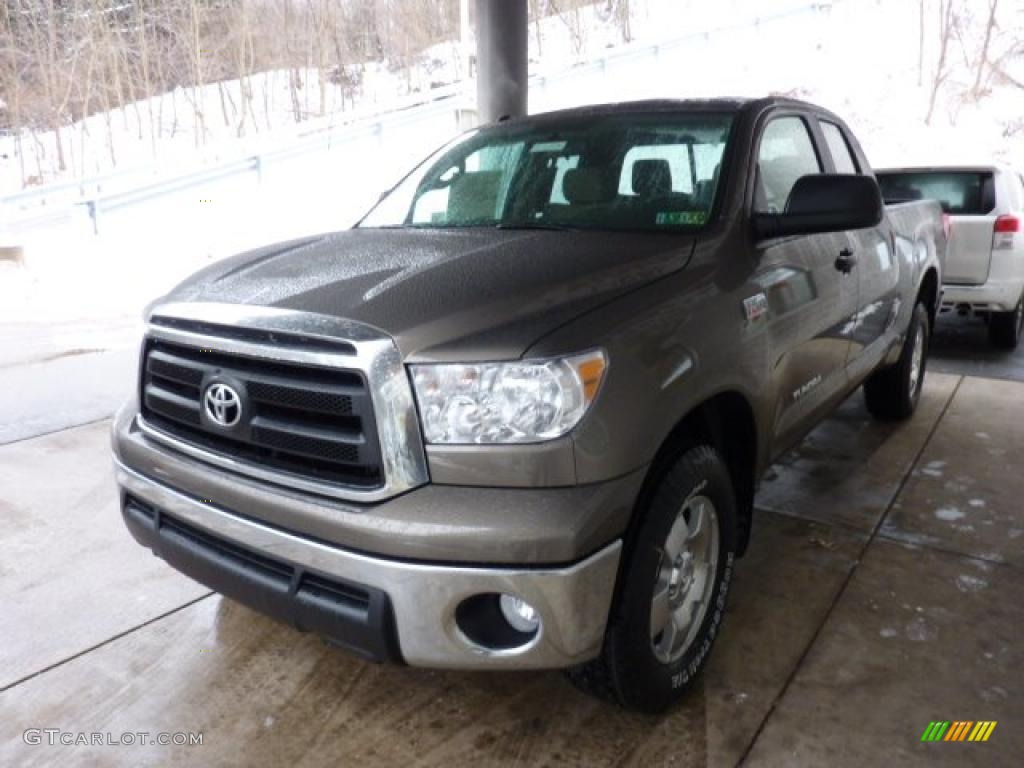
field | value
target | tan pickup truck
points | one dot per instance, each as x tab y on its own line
516	417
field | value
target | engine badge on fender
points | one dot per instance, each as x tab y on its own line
755	307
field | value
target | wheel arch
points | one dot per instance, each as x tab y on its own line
928	293
726	422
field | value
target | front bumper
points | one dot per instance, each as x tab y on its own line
403	610
519	527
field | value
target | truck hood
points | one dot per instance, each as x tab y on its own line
471	294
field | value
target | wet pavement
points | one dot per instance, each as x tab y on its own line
38	359
881	592
960	345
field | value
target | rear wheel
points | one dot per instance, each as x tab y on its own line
673	585
1004	328
893	392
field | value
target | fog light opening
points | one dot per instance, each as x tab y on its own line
498	622
522	616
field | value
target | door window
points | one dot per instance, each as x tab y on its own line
840	150
786	153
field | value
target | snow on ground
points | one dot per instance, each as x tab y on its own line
857	57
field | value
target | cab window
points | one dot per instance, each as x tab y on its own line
838	148
785	154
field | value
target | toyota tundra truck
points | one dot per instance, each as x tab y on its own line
515	417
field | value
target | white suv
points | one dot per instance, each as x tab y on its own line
984	270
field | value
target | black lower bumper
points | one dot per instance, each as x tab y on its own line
354	616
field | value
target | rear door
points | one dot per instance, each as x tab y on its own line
968	196
809	302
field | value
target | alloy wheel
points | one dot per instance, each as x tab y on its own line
685	579
917	361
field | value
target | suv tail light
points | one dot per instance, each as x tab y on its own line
1007	223
1005	228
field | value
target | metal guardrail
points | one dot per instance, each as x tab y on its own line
257	164
59	187
105	203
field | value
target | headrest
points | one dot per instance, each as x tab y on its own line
904	193
474	196
588	185
652	177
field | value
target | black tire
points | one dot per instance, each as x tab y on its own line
628	670
1004	328
892	393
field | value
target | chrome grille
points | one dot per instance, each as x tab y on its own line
306	420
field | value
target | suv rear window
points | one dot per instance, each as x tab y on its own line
970	193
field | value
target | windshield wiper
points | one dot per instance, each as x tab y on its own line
535	225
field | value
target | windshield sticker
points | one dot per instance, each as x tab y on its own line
548	146
680	218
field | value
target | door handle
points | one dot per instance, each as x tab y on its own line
845	261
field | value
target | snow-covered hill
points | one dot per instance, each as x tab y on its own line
860	57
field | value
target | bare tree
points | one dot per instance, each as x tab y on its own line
1000	63
920	43
983	56
569	12
537	10
196	51
622	14
947	26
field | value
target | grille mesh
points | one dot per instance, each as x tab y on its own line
307	445
301	399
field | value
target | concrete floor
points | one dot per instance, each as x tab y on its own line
37	359
882	591
960	345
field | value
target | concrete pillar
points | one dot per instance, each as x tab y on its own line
502	27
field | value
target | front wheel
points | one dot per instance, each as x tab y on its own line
1004	328
673	586
892	393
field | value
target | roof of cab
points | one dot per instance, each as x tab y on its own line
955	168
654	106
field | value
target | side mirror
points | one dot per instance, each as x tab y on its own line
824	203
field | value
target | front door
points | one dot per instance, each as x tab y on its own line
811	305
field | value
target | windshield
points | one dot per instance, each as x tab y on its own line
618	172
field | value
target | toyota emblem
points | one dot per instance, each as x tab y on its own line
223	405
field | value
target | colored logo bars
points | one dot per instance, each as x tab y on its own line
959	730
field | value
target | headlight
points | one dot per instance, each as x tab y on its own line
517	402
